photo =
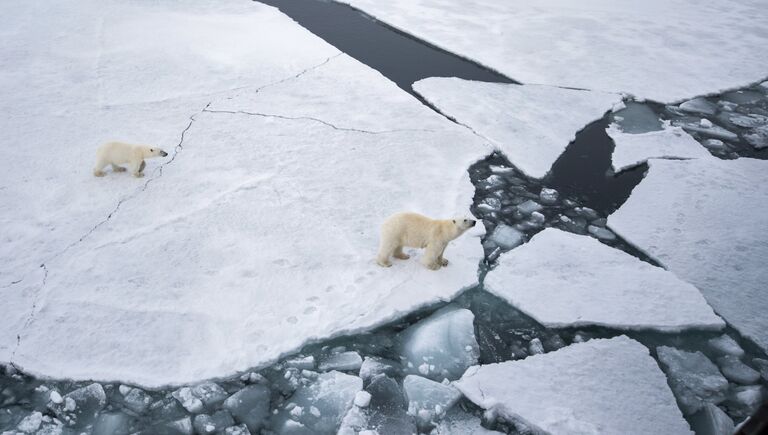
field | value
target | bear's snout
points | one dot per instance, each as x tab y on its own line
163	154
473	223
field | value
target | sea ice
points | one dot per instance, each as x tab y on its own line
273	187
725	345
758	137
250	406
526	123
343	361
428	400
332	394
373	366
711	420
671	142
736	371
548	196
744	401
676	215
562	279
442	345
506	237
386	413
637	118
217	422
694	379
698	105
596	44
459	422
111	423
706	128
628	394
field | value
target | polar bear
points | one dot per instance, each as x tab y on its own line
116	153
416	231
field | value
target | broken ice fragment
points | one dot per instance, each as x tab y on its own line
762	364
736	371
428	400
342	361
373	366
548	196
714	144
710	131
758	137
302	363
240	429
250	406
694	379
744	401
506	237
725	345
208	424
387	409
441	340
362	399
529	207
601	233
30	423
195	398
111	423
535	347
711	420
698	105
80	406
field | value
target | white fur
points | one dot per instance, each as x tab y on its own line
413	230
118	153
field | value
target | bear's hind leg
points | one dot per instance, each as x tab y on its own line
116	168
98	170
385	251
400	254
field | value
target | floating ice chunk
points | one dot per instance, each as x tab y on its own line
80	406
706	128
373	366
428	400
526	122
562	279
302	363
683	229
715	144
744	401
628	394
136	400
736	371
535	347
601	233
746	121
670	142
208	424
332	394
30	423
711	420
637	118
742	96
445	341
529	207
459	422
725	345
342	361
506	237
56	397
698	105
250	406
112	423
194	399
758	137
240	429
387	409
694	379
362	399
762	364
548	196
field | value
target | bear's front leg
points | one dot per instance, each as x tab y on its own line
443	261
137	169
432	255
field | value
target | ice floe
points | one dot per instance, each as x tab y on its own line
701	219
671	142
563	279
597	44
694	378
628	394
259	232
526	123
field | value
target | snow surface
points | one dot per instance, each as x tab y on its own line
627	393
655	49
703	220
255	236
531	125
564	279
671	142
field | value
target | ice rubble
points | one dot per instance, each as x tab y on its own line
526	123
428	400
701	219
597	44
694	378
564	279
259	236
712	420
628	394
670	142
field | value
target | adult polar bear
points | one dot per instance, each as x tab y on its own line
413	230
117	153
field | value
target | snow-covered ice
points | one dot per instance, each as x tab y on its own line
529	124
257	235
694	378
563	279
441	346
701	219
627	393
655	49
634	149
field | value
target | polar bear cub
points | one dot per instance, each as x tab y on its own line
413	230
117	153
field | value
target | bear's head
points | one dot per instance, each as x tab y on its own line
464	224
155	152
